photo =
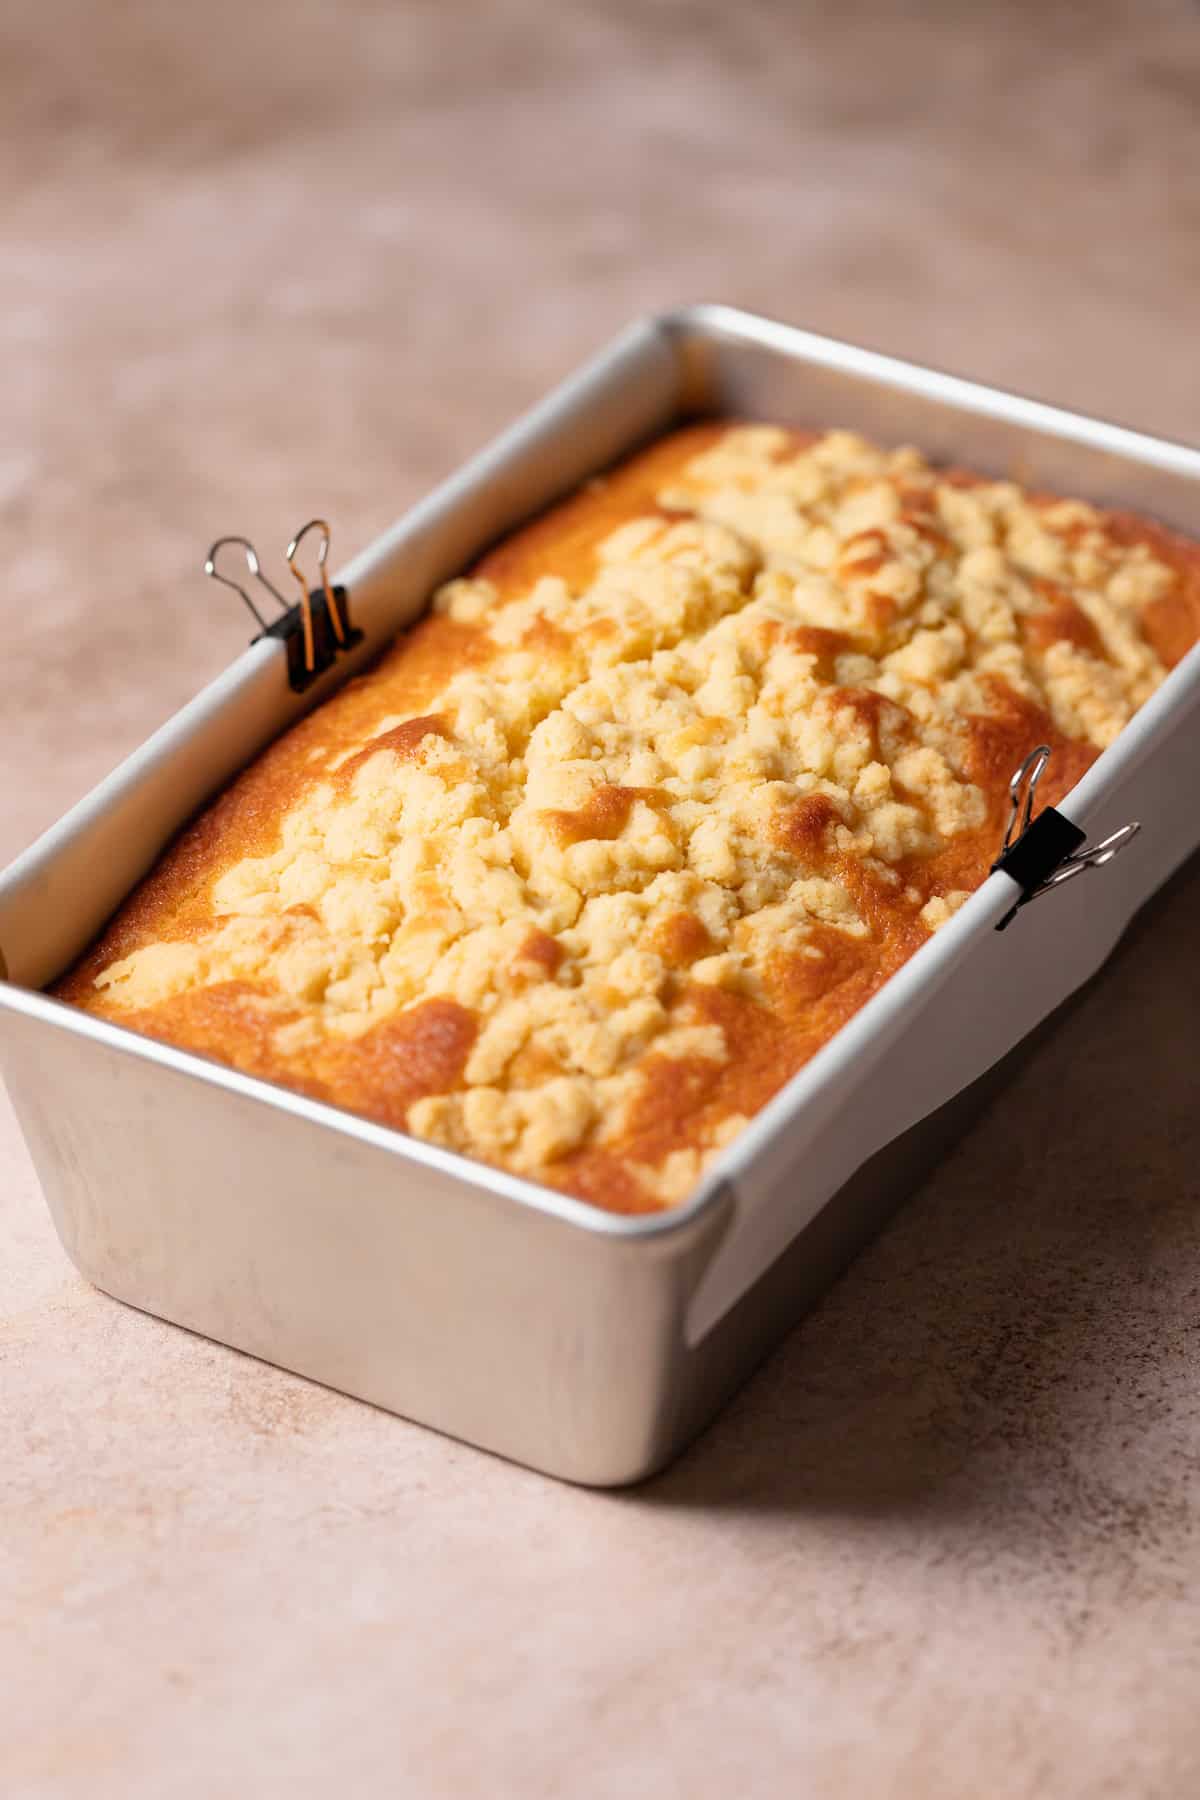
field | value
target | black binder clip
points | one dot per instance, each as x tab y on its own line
1041	853
315	631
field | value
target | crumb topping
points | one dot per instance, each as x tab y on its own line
670	820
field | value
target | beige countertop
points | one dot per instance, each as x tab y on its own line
263	261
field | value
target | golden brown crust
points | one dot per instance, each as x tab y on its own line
1171	620
173	900
605	848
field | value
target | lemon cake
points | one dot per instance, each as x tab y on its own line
598	853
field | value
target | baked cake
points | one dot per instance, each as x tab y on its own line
603	849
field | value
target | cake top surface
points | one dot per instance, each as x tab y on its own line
605	848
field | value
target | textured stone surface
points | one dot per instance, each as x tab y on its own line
260	260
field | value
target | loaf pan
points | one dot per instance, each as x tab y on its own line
586	1345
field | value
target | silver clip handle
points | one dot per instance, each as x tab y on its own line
331	606
1022	789
1092	856
1041	852
255	567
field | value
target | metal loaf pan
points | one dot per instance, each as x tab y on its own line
586	1345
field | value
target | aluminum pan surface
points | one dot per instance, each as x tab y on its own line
705	358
